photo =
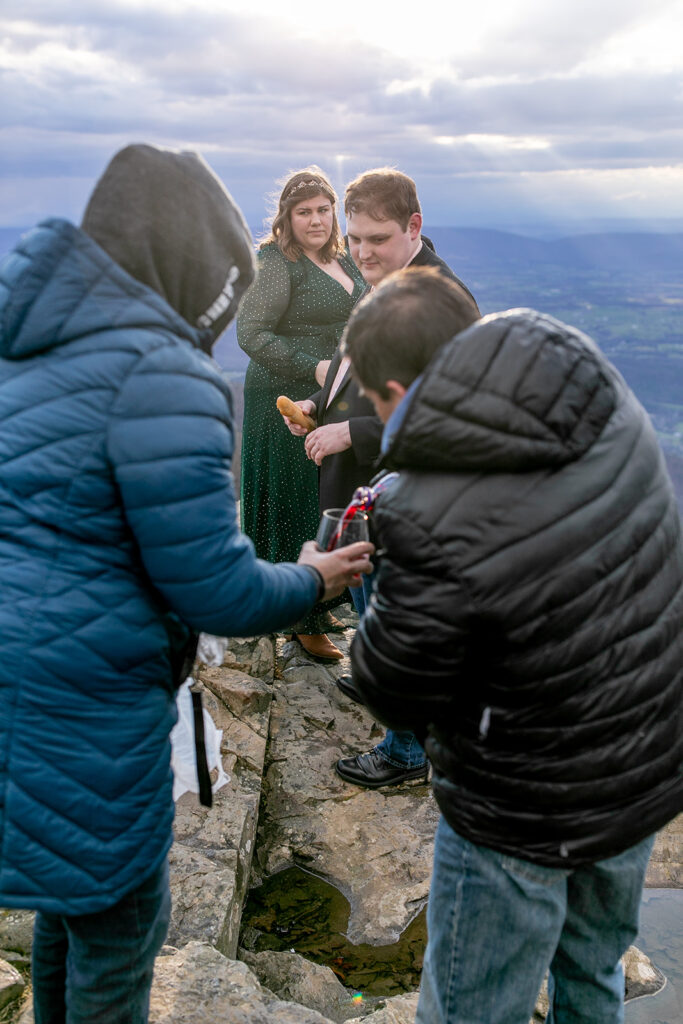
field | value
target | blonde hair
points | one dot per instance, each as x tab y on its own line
298	186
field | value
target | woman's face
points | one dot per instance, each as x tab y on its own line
312	222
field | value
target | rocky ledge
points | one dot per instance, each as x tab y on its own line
284	724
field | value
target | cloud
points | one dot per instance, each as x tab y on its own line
553	38
258	96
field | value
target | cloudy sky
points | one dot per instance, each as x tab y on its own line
506	112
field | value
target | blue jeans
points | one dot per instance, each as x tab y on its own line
496	924
97	968
401	749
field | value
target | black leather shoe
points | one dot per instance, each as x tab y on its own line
372	771
345	684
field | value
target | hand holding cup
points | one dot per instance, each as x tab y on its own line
339	568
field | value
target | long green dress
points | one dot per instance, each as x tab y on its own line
291	318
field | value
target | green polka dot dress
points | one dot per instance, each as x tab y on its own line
291	318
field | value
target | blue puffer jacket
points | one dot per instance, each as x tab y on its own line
117	525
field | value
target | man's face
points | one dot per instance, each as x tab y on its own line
385	406
379	247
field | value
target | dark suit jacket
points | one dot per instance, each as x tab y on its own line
341	474
427	257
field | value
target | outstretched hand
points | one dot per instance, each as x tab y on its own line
339	568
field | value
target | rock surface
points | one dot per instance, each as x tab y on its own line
198	985
16	930
255	656
213	850
11	983
641	975
376	846
397	1010
665	870
293	978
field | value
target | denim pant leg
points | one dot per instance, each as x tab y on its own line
361	595
48	969
494	922
586	982
400	748
109	959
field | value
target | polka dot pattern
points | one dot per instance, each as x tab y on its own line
291	318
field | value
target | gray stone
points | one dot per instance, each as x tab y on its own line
198	985
642	977
396	1010
17	960
294	978
11	983
212	854
255	656
665	870
16	930
204	903
375	845
241	693
347	614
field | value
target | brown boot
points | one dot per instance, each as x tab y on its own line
319	645
332	624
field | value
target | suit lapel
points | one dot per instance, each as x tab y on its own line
344	381
332	372
329	378
337	356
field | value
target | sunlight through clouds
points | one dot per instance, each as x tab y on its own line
495	142
481	95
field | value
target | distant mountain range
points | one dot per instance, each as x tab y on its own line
633	252
625	289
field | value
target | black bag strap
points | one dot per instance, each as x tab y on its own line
203	777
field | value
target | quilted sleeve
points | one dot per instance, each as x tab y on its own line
411	645
170	444
261	310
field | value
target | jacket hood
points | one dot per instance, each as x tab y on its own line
58	285
168	220
516	391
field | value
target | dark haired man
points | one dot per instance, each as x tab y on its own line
384	220
527	623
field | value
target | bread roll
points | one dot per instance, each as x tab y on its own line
287	408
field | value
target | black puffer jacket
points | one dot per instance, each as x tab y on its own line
529	610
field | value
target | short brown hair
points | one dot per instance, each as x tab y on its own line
384	194
300	185
393	333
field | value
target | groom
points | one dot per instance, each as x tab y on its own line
384	222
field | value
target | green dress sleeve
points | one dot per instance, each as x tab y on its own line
262	308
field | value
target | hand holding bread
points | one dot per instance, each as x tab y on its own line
286	407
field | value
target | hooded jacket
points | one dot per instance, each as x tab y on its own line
118	536
528	615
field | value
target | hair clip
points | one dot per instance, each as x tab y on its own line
307	184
